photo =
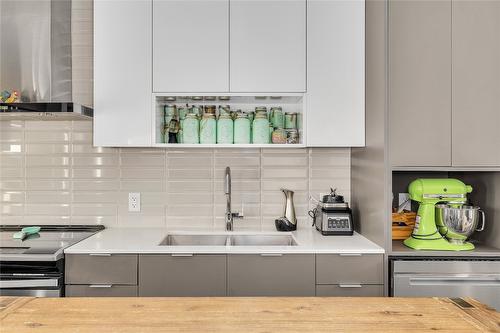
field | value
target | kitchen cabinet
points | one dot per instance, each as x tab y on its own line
267	46
476	83
191	46
420	99
113	269
335	73
271	275
182	275
355	269
122	73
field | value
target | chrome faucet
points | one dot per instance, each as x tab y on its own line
230	216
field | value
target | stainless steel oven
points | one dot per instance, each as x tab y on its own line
35	266
478	278
24	278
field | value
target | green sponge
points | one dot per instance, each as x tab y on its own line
25	232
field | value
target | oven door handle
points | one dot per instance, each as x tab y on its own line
29	283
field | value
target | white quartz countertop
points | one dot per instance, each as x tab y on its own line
147	240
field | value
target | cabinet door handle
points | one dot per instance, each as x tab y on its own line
100	286
181	254
100	254
350	254
350	285
271	254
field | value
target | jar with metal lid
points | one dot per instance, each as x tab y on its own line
169	113
208	129
242	129
196	110
210	110
225	128
260	129
277	117
224	110
279	136
261	110
182	111
292	136
191	129
290	120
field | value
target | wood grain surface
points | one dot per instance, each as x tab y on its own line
264	314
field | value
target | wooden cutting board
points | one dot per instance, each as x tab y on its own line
263	314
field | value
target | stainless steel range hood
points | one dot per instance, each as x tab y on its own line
38	55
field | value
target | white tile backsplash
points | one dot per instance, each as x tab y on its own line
50	173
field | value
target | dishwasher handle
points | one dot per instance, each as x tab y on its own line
455	280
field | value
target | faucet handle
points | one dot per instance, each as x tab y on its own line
237	215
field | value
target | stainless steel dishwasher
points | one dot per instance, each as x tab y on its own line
478	278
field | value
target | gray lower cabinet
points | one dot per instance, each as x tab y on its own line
271	275
100	291
350	290
349	269
182	275
101	269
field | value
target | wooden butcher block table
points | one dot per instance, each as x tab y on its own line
263	314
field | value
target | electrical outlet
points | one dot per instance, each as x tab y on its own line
404	202
134	202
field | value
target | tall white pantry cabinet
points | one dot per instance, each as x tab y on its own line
308	48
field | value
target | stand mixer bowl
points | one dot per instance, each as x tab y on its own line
458	223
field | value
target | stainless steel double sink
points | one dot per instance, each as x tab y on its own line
228	240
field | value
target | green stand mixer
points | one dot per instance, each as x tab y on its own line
430	233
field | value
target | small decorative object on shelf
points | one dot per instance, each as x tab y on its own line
242	129
191	129
290	120
225	129
292	136
260	128
169	113
277	117
208	128
9	96
279	136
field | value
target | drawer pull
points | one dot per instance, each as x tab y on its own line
271	254
350	286
100	254
181	254
351	254
100	286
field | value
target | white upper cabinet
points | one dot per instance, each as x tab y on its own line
191	46
268	46
122	73
335	109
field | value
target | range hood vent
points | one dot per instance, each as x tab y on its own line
46	55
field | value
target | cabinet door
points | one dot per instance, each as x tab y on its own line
191	46
122	73
420	83
271	275
101	269
182	275
268	46
476	83
335	73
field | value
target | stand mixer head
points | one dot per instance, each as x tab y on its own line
427	235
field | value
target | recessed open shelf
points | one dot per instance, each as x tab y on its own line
290	103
